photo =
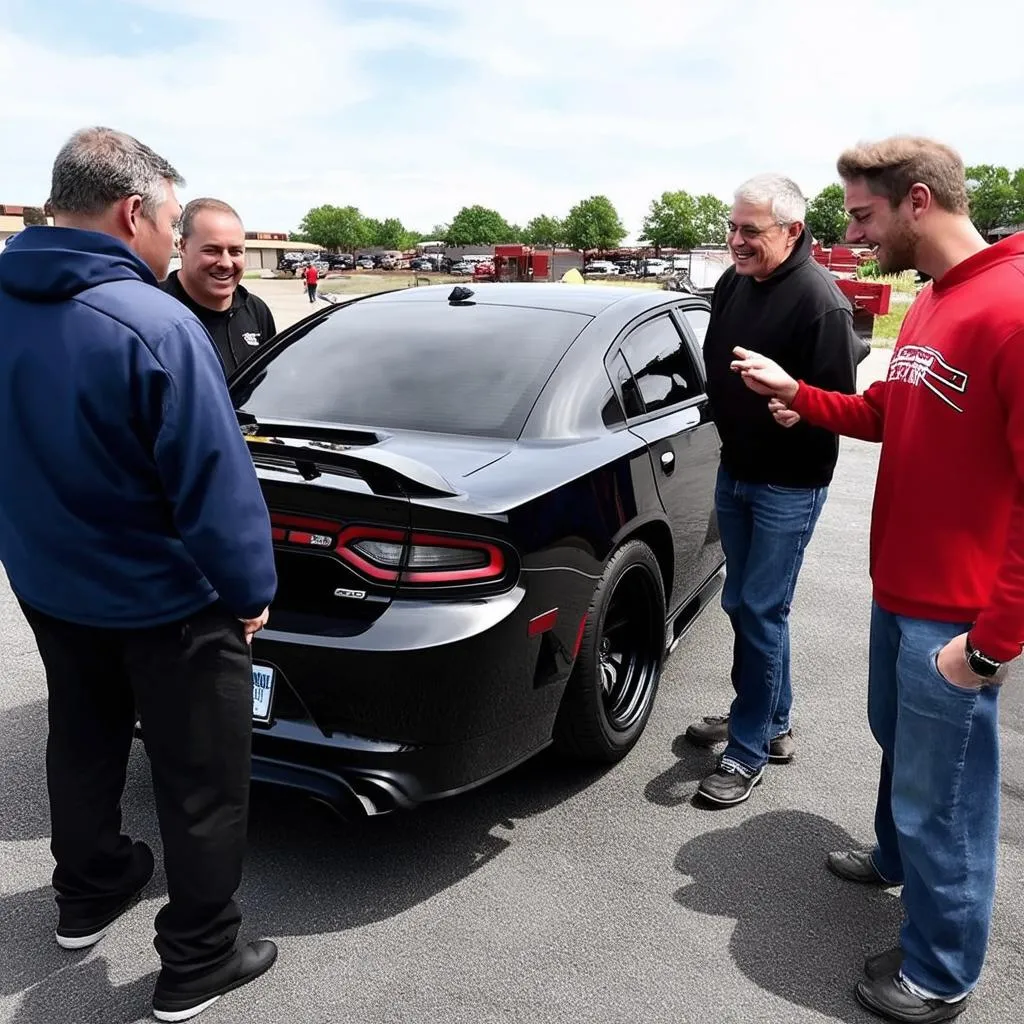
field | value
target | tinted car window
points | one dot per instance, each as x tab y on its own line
698	319
661	364
472	369
631	400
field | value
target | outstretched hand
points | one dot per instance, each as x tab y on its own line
764	376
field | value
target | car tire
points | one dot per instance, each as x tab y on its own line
613	685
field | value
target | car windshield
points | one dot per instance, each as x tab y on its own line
414	365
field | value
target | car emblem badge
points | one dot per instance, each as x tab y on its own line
356	595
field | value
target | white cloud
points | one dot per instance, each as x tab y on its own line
527	107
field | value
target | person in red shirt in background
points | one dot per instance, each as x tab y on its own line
947	561
311	276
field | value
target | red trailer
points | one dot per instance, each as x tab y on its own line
869	299
516	263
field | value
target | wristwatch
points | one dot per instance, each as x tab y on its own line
980	664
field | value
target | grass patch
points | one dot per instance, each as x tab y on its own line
905	282
625	283
887	328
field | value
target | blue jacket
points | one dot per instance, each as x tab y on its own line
127	494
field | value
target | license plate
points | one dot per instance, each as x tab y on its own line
262	692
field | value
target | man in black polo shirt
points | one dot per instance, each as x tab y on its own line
772	482
212	250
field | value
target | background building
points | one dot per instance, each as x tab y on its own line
263	249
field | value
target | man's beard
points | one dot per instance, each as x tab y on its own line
899	251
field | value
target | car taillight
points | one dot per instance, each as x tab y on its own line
428	558
393	555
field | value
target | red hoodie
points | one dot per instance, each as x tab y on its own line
947	527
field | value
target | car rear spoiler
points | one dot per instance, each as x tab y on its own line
316	449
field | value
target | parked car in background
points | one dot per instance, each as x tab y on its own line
477	556
654	267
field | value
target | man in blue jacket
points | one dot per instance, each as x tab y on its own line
135	536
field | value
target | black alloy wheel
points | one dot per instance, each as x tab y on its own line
611	692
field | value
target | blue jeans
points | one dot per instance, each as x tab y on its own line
937	817
765	530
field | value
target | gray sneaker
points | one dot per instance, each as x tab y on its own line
727	786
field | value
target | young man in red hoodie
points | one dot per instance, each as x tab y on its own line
947	562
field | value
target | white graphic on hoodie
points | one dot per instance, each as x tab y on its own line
918	364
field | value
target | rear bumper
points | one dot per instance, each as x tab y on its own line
432	699
358	781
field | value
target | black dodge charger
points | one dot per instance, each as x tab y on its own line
493	516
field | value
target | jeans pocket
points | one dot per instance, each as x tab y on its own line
963	691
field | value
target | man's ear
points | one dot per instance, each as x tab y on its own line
794	231
920	198
129	214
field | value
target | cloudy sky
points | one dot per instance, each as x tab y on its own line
412	108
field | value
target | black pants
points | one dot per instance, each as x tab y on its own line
191	684
311	288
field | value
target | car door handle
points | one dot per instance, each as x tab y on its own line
667	460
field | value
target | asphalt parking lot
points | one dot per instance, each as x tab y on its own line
551	895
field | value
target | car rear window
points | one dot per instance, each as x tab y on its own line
415	365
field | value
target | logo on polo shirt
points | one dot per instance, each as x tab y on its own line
251	338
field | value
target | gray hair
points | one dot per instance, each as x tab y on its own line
778	192
196	206
96	167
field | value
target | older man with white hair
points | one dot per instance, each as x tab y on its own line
772	482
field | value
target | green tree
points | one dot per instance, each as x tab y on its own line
1018	190
335	227
371	231
544	230
392	235
671	222
995	201
594	224
477	225
826	215
710	219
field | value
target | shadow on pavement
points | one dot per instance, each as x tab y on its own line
677	785
343	875
306	872
84	994
801	933
62	986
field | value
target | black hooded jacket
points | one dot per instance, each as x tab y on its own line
237	331
798	317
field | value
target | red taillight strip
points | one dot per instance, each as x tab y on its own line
354	533
304	523
298	529
492	570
